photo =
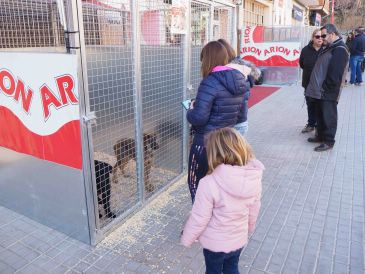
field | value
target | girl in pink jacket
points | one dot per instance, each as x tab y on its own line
227	201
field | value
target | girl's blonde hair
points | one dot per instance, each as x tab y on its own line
213	54
227	146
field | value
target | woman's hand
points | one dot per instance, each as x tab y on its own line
192	104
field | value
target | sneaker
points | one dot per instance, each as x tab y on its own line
307	129
323	147
358	84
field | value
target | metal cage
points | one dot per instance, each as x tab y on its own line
137	61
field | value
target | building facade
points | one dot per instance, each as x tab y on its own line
282	12
256	12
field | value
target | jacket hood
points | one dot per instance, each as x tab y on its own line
338	42
232	79
240	181
255	71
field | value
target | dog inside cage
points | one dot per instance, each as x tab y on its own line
102	174
125	150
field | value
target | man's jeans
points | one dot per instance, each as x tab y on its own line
355	65
311	108
218	262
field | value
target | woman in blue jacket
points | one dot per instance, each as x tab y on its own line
218	104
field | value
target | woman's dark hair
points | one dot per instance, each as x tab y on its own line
231	52
213	54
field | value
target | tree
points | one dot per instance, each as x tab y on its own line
349	14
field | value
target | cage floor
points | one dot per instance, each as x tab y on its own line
124	192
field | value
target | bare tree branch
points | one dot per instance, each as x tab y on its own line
350	14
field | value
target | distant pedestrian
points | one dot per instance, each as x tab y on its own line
325	85
357	51
227	202
218	104
350	37
307	60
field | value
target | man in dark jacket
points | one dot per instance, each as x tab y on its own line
325	86
357	51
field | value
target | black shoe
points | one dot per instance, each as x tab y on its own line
314	140
322	147
307	129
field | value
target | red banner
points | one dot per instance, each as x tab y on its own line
277	54
39	107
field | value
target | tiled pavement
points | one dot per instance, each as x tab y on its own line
312	217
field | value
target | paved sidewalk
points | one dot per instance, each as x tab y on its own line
312	217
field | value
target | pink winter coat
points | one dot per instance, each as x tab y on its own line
226	207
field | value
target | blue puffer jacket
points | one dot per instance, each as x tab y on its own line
221	101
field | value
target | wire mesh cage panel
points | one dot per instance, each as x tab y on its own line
199	26
162	71
222	23
32	24
208	22
107	27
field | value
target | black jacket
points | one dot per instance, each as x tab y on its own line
336	72
221	101
328	73
358	45
307	60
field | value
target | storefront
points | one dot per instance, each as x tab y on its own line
297	15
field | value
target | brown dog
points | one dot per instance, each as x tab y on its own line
125	150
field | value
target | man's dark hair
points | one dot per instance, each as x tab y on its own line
331	28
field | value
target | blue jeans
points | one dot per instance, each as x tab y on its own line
242	128
218	262
355	65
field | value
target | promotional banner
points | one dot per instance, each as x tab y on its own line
276	54
39	106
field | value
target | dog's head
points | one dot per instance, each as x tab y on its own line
150	140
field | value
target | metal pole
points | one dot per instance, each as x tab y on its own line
333	12
211	19
72	21
73	28
234	27
187	85
137	88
